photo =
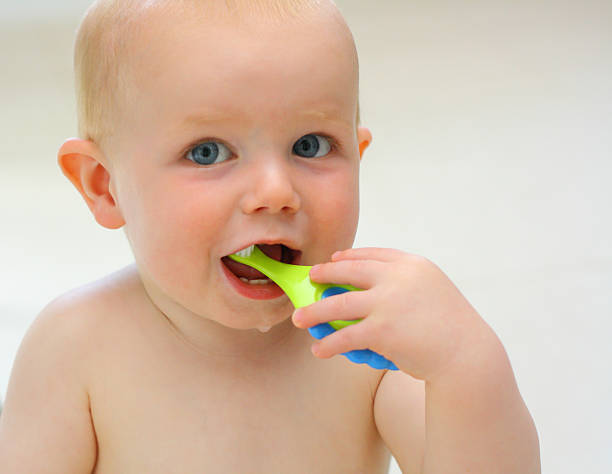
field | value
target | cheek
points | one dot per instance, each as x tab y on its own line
171	226
336	208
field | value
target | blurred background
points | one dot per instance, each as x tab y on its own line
492	152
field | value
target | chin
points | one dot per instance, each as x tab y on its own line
250	319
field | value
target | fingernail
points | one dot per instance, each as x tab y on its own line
313	271
315	349
297	318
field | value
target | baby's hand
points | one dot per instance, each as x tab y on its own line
412	313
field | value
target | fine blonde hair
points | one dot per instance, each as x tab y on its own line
102	50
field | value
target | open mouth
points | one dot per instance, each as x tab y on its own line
247	274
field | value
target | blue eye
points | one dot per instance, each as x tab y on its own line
209	153
312	146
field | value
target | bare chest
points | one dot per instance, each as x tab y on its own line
176	418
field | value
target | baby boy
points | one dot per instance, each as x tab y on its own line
206	126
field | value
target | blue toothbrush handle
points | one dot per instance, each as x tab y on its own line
331	290
360	356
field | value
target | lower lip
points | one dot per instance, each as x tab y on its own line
268	291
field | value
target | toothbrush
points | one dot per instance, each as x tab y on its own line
295	281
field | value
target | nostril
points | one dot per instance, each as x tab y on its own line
275	209
289	210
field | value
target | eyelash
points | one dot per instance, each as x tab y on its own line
195	143
334	144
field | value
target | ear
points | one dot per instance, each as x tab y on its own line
81	162
364	137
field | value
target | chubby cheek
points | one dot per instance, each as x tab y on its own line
334	213
171	229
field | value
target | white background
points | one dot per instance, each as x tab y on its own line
491	156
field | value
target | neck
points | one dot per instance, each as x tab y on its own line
213	339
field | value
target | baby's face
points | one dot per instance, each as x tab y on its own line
236	135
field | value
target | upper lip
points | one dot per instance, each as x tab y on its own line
291	244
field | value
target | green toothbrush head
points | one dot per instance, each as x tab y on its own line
293	279
295	282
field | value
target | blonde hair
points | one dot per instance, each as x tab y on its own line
102	50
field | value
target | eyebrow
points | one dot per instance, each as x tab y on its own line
327	115
207	116
212	115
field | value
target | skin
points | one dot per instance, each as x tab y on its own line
476	420
168	347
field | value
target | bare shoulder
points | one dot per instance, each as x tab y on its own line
46	421
66	328
87	302
80	316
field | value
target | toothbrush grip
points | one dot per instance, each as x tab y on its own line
337	290
360	356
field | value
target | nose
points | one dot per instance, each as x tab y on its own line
271	188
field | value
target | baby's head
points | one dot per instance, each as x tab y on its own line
209	125
118	44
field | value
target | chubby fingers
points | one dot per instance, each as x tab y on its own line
350	338
348	306
368	253
359	273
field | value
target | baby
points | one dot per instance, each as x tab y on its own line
207	126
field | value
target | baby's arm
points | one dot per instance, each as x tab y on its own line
46	425
471	418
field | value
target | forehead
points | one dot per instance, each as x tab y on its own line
182	63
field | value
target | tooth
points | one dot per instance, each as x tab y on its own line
255	282
259	282
246	252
